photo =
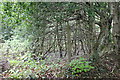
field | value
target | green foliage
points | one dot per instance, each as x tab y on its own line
80	65
14	62
14	48
27	68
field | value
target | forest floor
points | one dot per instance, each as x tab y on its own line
107	67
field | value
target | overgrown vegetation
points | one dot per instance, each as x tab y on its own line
80	65
59	40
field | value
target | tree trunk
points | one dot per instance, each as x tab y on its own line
116	28
59	40
69	42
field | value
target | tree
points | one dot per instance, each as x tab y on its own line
116	27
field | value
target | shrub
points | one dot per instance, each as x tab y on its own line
80	65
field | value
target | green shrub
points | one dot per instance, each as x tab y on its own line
80	65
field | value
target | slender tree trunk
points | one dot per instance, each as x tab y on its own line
0	64
69	42
65	45
116	28
59	41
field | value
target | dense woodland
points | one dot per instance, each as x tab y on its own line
60	40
